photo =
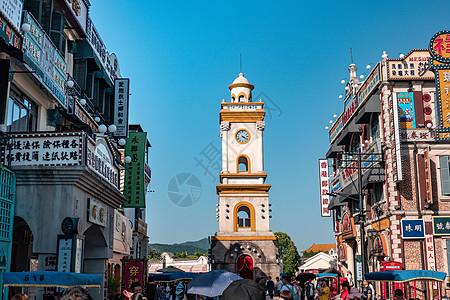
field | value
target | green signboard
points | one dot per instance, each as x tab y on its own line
441	225
134	171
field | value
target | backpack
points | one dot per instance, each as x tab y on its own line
292	290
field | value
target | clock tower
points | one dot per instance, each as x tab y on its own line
244	243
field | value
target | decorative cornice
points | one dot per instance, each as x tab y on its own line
242	116
245	238
243	188
241	84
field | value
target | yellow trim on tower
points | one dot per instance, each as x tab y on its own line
242	103
245	238
241	84
241	94
242	116
243	188
252	215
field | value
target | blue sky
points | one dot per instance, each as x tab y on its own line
182	55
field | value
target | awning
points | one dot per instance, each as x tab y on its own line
346	134
334	150
405	275
372	105
375	175
84	51
336	202
350	192
102	75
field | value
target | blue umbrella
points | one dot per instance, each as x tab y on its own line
211	284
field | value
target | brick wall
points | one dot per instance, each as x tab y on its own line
413	259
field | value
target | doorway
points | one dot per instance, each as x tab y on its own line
245	267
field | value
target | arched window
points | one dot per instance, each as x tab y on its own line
241	98
243	165
233	99
244	217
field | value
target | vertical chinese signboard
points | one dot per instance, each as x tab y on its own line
324	188
439	49
429	188
121	96
133	270
134	173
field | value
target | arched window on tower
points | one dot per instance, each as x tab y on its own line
243	164
233	99
244	217
241	98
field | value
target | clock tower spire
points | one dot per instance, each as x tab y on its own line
244	243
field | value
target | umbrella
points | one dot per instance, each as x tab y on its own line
211	284
354	292
244	289
166	277
305	276
169	269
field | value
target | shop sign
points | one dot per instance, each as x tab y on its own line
12	10
395	138
370	84
381	224
439	46
342	254
44	149
142	226
79	10
85	117
429	188
390	266
413	67
413	229
100	158
108	61
359	272
121	98
45	59
97	213
377	246
49	262
14	39
134	173
441	225
324	188
65	254
335	183
416	135
336	128
133	271
349	109
407	115
429	252
348	226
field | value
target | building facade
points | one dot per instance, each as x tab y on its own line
244	243
64	110
389	170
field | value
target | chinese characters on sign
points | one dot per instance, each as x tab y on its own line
429	188
44	149
429	252
439	46
12	10
133	271
14	38
417	135
134	173
64	254
121	95
101	159
441	225
406	111
324	188
413	229
369	84
85	117
98	212
413	67
80	11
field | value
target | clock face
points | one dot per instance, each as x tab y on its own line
67	225
242	136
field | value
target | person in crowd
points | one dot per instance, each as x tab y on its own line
286	295
398	294
324	290
19	297
75	293
367	291
270	285
355	294
154	292
345	290
279	285
136	287
181	290
350	278
309	290
287	286
261	283
298	290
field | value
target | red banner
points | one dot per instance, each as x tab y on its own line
133	271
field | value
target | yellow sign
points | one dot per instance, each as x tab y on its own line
440	46
444	92
380	225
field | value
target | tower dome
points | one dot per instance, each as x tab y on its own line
241	89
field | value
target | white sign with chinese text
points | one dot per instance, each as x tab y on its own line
79	256
101	159
12	10
64	255
80	11
416	135
324	188
121	96
45	149
414	66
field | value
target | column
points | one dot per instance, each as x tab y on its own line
224	128
260	125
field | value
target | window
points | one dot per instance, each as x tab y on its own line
244	217
233	99
375	127
378	193
445	176
242	164
241	98
22	114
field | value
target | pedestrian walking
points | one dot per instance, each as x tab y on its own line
367	291
398	294
345	290
279	285
288	287
350	278
324	290
270	285
309	290
286	295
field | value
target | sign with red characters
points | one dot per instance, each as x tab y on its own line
324	181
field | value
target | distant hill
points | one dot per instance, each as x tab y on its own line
190	247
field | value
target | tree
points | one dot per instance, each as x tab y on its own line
198	254
289	253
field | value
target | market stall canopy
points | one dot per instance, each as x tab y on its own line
170	269
405	275
51	279
167	277
326	275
